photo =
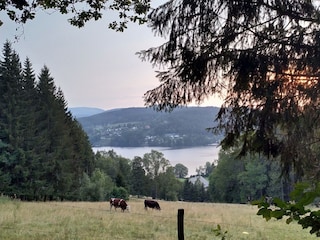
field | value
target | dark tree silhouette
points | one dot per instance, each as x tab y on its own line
262	56
80	11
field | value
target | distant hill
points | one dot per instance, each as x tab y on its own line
136	127
79	112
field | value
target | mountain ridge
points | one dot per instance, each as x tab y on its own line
79	112
138	126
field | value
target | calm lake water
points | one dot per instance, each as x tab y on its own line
192	158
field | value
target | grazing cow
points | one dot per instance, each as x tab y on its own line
151	204
118	203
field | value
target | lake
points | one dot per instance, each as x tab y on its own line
192	158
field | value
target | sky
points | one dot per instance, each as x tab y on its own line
94	65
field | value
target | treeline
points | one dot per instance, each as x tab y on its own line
149	175
115	176
239	180
44	151
231	180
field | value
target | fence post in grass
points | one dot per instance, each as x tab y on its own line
180	224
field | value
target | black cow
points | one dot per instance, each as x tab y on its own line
118	203
151	204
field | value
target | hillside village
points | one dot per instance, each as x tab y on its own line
137	127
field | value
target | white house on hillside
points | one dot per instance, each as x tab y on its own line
201	179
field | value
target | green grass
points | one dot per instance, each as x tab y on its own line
86	220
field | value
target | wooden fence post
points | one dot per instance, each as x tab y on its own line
180	224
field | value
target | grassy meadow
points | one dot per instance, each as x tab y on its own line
94	220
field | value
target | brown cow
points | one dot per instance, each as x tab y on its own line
151	204
118	203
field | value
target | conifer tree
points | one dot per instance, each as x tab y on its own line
79	151
28	131
76	156
10	148
63	155
261	56
67	153
45	133
138	177
44	152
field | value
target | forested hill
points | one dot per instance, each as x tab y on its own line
135	127
79	112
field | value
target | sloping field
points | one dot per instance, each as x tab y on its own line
86	220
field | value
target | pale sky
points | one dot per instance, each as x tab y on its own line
94	65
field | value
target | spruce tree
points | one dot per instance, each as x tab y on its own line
44	152
28	129
261	56
81	156
66	152
138	179
47	134
12	157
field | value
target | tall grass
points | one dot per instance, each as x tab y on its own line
87	220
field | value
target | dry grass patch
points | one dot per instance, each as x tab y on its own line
87	220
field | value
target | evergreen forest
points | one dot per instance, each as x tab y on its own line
43	150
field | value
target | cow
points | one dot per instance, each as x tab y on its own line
151	204
118	203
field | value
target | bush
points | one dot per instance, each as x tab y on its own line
119	192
